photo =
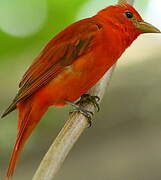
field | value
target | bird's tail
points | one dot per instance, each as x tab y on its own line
29	116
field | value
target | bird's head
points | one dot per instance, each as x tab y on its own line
126	17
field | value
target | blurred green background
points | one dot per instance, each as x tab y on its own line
124	141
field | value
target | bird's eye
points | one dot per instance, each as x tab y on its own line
129	14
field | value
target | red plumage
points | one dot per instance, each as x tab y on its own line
70	64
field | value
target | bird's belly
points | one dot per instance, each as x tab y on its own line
73	82
69	86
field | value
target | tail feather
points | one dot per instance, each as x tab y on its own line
29	116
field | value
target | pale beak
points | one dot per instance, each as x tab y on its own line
145	27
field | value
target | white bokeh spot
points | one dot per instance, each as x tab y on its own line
22	18
91	7
153	14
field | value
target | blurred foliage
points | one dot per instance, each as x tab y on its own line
63	9
124	142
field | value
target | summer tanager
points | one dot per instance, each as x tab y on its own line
71	63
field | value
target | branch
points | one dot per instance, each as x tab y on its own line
70	133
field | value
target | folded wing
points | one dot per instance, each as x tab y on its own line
61	51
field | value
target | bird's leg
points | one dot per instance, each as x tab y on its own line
86	98
78	108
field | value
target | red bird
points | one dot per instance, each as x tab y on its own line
71	63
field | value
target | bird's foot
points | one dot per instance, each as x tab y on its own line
86	98
77	108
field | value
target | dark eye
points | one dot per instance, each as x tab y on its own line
129	14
